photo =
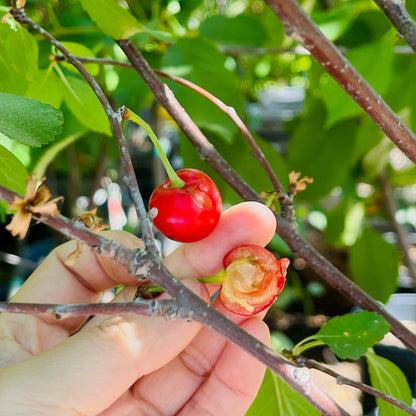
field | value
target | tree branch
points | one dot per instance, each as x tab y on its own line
309	363
401	237
396	12
286	200
301	28
153	307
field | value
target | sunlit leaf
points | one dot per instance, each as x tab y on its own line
85	105
277	398
388	378
111	18
12	173
18	58
78	49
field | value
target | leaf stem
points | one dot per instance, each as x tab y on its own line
307	343
127	114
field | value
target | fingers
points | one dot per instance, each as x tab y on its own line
54	281
234	382
228	375
87	372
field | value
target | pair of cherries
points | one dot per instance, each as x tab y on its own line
252	278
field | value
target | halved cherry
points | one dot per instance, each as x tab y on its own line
253	279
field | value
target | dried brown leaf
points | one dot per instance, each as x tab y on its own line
35	202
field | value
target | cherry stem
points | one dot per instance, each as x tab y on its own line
216	278
175	180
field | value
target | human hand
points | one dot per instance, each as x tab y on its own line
130	365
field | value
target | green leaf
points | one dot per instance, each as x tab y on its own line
374	264
314	151
47	88
204	66
242	161
377	158
12	173
351	335
85	105
18	58
277	398
111	18
28	121
338	103
78	49
335	21
345	222
240	30
388	378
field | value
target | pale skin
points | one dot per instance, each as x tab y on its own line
130	365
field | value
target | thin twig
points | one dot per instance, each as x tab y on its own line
396	12
401	238
302	29
309	363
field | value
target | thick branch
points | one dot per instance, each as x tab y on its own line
289	234
301	28
396	12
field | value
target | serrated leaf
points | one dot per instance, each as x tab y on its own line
277	398
374	265
111	18
29	121
338	103
351	335
85	105
388	378
12	173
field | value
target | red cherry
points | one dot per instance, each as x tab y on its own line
253	279
189	213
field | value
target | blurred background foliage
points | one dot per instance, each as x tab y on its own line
238	51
